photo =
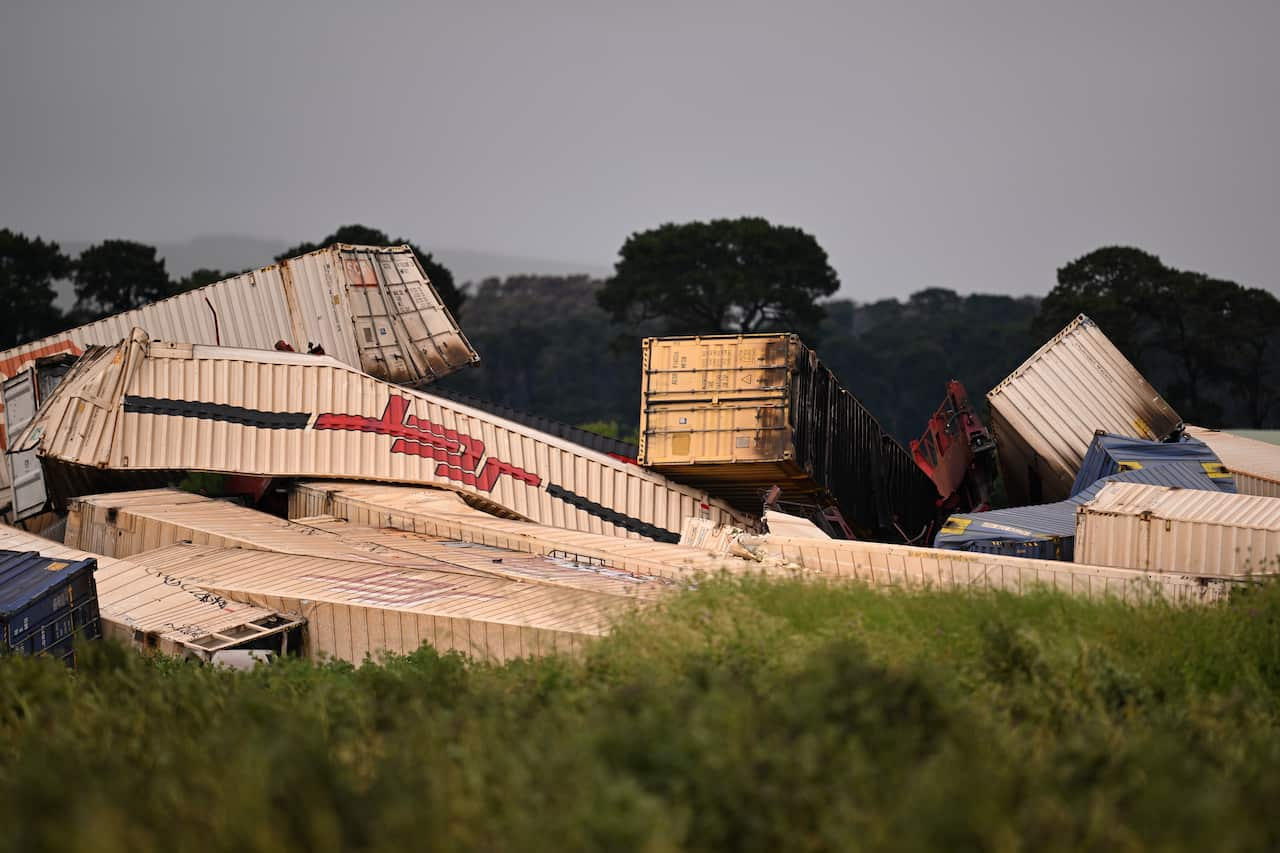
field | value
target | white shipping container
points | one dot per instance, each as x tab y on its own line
155	607
1045	413
439	513
369	307
123	524
909	567
145	406
1256	464
1187	531
355	610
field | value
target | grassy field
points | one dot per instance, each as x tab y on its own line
746	715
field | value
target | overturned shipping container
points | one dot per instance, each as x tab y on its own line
1114	454
157	608
123	524
356	610
439	513
136	413
1255	464
737	414
1158	529
1048	531
370	307
1045	414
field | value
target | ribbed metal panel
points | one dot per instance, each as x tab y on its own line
126	523
1045	413
356	610
1159	529
904	566
157	607
369	307
439	513
1256	464
144	406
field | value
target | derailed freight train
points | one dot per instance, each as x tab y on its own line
134	414
738	414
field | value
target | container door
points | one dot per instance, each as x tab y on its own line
404	332
26	477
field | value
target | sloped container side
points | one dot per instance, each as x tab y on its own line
1048	531
127	523
143	410
1156	529
1046	413
1255	464
737	414
156	609
440	513
1113	454
356	610
370	307
46	603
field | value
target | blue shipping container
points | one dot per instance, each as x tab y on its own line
1112	454
1048	531
45	602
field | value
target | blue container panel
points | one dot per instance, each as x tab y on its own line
1109	455
46	603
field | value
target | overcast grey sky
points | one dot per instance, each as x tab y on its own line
970	145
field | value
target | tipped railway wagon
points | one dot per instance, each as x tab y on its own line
738	414
134	414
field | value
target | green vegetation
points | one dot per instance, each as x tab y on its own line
745	715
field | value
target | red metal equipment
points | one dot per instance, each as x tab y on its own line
957	453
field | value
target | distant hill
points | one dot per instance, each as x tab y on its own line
236	252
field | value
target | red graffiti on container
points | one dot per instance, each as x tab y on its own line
459	455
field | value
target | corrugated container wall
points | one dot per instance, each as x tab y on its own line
1157	529
439	513
145	407
1048	531
736	414
1045	414
123	524
46	603
1255	464
356	610
156	608
369	307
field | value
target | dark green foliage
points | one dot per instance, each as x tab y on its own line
28	268
897	357
746	715
544	348
363	235
1212	347
118	275
726	275
199	278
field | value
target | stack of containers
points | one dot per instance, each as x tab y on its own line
45	603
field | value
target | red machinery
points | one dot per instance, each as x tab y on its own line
957	453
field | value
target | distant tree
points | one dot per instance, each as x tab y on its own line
363	235
727	275
117	275
28	269
1211	346
199	278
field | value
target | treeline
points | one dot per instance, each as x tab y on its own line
569	347
546	346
